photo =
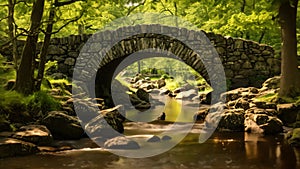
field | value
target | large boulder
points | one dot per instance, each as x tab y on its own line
164	91
263	123
271	83
135	79
294	137
231	95
288	113
37	134
272	126
161	83
106	125
189	94
246	93
232	120
121	142
255	110
62	125
239	103
201	115
147	86
5	125
264	105
138	103
153	139
143	95
206	98
10	147
228	119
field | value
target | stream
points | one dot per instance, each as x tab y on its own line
235	150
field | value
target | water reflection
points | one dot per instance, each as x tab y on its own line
223	150
271	150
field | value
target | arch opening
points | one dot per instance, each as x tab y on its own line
139	47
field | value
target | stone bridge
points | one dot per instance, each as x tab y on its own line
246	63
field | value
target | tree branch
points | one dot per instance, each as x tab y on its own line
6	44
166	9
134	7
3	18
22	29
67	23
22	1
58	4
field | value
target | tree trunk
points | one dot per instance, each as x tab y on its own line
243	6
44	52
25	79
12	32
262	35
290	81
139	66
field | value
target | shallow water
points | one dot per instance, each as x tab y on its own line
234	150
222	150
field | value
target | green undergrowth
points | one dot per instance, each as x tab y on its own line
39	102
11	101
17	108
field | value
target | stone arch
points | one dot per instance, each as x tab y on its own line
105	50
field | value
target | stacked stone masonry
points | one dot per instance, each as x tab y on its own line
246	63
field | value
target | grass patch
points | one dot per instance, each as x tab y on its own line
295	100
270	97
11	101
59	81
7	71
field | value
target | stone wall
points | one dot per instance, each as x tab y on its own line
246	63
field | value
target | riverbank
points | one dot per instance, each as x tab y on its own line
249	110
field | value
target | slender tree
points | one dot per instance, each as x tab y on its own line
25	79
12	31
45	47
48	33
290	76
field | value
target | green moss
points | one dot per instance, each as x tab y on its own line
172	84
270	97
273	97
